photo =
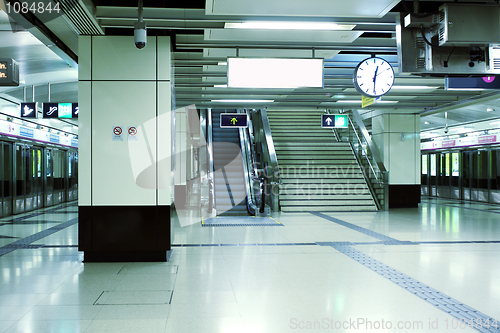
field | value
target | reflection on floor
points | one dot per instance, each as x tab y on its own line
431	269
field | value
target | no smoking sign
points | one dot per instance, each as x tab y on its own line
132	133
117	133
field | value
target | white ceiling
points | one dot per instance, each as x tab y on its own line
314	8
203	45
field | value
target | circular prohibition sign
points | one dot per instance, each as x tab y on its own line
117	130
132	131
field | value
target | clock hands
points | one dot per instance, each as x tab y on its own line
382	71
374	80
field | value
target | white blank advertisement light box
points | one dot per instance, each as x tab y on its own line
274	73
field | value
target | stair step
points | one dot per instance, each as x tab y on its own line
333	198
370	208
322	181
330	203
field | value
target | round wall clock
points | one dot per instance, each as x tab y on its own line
373	77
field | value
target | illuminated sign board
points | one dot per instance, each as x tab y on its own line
9	72
75	110
334	121
65	110
60	110
472	83
50	110
28	110
235	120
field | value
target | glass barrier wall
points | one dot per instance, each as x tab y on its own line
462	174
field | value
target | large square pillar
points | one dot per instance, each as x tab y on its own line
126	127
397	136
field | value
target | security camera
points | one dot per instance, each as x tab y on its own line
446	130
140	35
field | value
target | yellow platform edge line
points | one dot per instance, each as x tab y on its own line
275	220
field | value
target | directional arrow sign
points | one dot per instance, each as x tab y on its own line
233	120
334	121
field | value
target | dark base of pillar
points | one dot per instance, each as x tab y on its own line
180	195
404	196
124	233
147	256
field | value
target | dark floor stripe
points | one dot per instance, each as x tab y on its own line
246	244
455	206
387	239
438	299
23	243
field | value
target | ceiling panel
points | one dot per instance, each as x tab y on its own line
333	8
293	36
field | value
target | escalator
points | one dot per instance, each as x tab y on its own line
229	176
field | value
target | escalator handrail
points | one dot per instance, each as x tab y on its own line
270	147
210	156
249	172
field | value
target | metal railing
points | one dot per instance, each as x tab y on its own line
266	158
253	184
367	154
210	162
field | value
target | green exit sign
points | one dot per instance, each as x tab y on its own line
334	121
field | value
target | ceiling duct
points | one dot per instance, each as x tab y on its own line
464	25
80	16
453	42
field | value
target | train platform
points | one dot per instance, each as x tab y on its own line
429	269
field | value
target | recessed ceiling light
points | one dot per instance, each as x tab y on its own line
490	110
242	101
274	25
413	87
427	122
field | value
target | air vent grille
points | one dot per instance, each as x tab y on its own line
420	63
78	15
419	42
496	63
442	33
440	17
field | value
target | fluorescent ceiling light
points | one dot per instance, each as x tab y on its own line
274	25
359	101
274	73
427	135
427	122
220	86
242	100
413	87
495	123
490	110
466	89
222	63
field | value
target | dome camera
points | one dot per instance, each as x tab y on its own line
140	35
446	130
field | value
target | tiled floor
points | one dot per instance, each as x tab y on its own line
300	277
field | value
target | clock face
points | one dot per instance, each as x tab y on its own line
373	77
